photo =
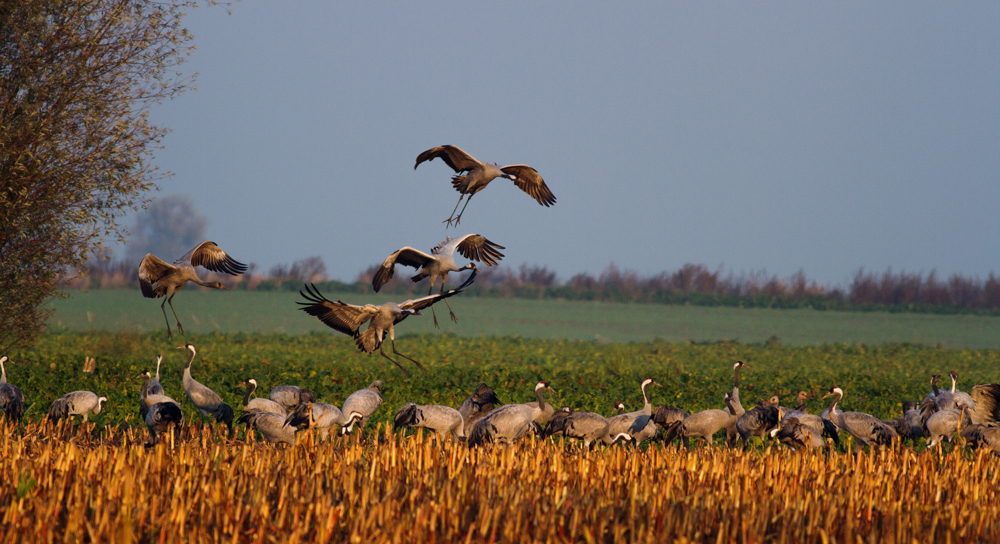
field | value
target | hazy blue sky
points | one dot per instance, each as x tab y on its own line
821	136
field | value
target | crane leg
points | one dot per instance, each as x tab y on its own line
450	218
393	360
434	314
453	318
170	301
167	321
459	218
416	362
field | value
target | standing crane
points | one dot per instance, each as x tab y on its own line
364	401
511	422
865	428
258	404
348	318
586	426
320	415
11	398
636	426
443	420
439	262
473	176
204	399
77	403
159	279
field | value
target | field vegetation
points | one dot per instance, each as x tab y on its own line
98	483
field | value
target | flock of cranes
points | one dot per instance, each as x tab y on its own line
158	279
482	419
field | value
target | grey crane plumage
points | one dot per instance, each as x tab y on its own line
321	416
291	397
155	388
735	406
635	426
665	415
586	426
160	417
364	401
758	421
202	397
348	318
159	279
147	400
473	176
11	397
796	435
511	422
703	424
981	436
481	402
442	420
942	426
259	404
77	403
983	403
865	428
439	262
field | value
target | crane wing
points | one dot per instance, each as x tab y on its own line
151	270
345	318
478	248
406	256
527	179
425	302
211	256
453	156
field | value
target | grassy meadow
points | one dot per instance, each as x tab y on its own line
275	312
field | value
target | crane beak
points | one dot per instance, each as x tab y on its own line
223	287
181	347
657	384
417	312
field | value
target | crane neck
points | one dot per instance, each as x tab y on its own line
246	398
145	390
736	378
3	371
833	405
191	360
935	387
646	405
953	383
158	361
541	401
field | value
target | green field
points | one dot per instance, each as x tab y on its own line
587	374
275	312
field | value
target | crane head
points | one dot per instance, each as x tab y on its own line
544	386
101	401
953	374
739	364
218	285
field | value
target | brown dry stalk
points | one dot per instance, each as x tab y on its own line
394	488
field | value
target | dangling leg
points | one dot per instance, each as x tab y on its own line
163	307
449	220
459	218
429	292
171	302
453	318
393	360
393	340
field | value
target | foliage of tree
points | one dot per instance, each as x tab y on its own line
77	80
168	228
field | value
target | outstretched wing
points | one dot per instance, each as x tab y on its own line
151	270
527	179
339	316
211	256
406	256
458	160
425	302
478	248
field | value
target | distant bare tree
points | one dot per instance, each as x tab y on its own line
168	228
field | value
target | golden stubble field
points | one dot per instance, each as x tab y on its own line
72	486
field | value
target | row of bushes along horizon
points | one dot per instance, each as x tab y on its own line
692	284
